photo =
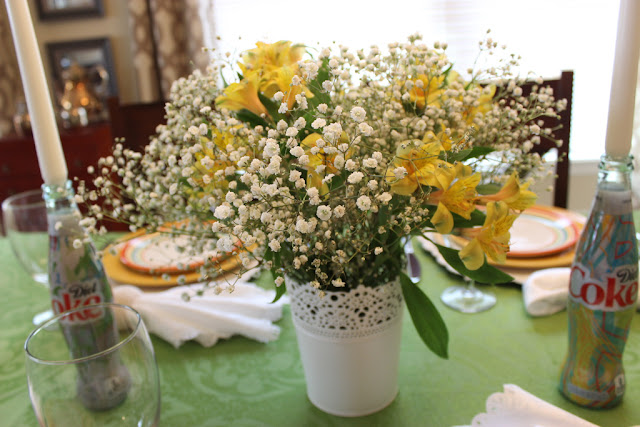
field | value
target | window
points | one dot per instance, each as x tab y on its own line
550	35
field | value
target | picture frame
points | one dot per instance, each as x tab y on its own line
51	10
93	55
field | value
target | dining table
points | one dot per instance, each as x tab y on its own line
242	382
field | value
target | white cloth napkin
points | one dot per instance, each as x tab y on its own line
515	407
546	291
246	311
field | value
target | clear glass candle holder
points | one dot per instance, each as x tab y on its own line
116	385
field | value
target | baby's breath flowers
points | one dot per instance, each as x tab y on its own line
323	165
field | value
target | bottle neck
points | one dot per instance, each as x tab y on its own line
63	214
614	184
59	198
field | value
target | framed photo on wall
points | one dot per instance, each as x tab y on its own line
69	9
94	56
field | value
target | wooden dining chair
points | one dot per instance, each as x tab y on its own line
562	89
135	122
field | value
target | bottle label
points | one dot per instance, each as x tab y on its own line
76	296
616	291
587	394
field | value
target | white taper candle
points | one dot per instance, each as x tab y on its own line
53	166
624	81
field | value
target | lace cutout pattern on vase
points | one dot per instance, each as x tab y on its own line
357	313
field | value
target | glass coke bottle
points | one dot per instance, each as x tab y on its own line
77	279
603	290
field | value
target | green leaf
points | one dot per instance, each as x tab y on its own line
250	118
467	154
477	218
488	189
425	317
272	108
319	96
280	290
276	264
485	274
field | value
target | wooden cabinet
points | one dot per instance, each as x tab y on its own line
19	169
83	146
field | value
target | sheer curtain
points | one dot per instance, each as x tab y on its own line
550	35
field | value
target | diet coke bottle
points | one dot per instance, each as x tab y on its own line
77	279
603	289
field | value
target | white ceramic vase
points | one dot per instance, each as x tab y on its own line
349	345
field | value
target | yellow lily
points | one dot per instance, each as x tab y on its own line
243	95
201	169
484	104
459	197
268	57
491	239
514	194
314	178
442	137
422	164
280	80
429	93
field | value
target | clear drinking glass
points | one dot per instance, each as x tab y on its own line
118	385
25	224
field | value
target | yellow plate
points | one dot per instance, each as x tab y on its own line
119	272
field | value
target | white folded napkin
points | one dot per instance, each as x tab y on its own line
546	291
515	407
247	311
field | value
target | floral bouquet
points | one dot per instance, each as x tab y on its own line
323	164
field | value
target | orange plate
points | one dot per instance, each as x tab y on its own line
541	231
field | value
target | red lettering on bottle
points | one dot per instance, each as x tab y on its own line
67	303
597	294
632	293
612	295
616	293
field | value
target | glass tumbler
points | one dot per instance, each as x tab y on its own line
118	385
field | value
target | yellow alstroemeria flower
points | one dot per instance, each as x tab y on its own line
423	167
483	104
208	164
514	194
442	137
243	95
268	57
459	197
491	239
429	93
432	89
320	158
280	80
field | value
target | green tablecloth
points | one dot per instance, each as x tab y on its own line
240	382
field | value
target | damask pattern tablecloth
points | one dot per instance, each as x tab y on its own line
239	382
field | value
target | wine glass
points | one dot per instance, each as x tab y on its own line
109	376
25	224
467	298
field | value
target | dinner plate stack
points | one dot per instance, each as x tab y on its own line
159	260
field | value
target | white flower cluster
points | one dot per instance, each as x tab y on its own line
308	187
